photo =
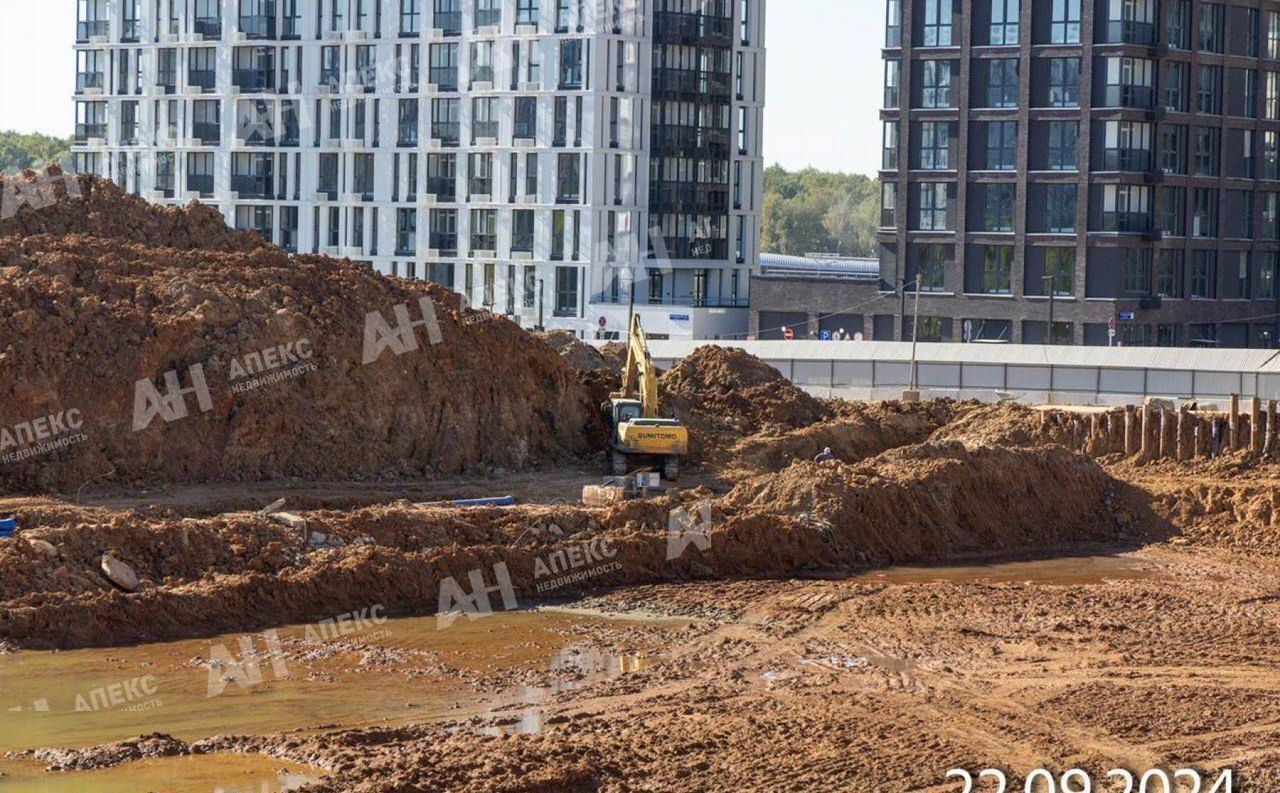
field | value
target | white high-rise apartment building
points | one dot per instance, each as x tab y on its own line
553	160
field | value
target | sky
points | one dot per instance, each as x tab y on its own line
824	78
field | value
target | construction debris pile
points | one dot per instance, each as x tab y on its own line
181	351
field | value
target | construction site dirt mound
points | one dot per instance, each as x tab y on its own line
939	501
580	356
130	363
62	205
724	394
1007	424
863	429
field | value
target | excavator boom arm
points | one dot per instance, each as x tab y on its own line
640	374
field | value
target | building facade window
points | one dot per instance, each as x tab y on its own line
1064	24
938	16
997	269
1064	82
1004	22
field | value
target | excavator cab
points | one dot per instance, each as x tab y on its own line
640	437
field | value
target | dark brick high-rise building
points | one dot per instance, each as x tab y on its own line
1125	153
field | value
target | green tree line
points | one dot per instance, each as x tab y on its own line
19	151
814	211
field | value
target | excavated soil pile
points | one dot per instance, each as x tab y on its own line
82	205
581	357
862	430
1007	424
938	501
142	363
724	394
927	502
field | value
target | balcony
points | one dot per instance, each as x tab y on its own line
1126	222
89	81
1140	96
696	85
1128	32
693	29
406	244
88	30
446	243
129	134
129	31
443	79
444	188
448	22
483	242
707	141
688	299
483	129
200	183
481	74
488	18
254	80
408	136
205	79
208	134
1126	160
258	26
87	132
208	27
522	243
251	185
526	129
447	132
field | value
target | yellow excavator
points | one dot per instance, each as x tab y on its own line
639	436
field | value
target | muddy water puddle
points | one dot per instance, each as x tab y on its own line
362	671
1063	571
215	773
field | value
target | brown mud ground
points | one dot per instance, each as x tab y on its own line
812	667
817	662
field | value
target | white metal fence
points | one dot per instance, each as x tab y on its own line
1081	375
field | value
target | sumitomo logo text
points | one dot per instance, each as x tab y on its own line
41	436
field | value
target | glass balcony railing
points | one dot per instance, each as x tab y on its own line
445	242
444	188
87	30
447	132
484	129
1128	32
85	132
88	80
209	27
258	26
202	78
1126	160
448	22
200	183
1126	222
1141	96
208	134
